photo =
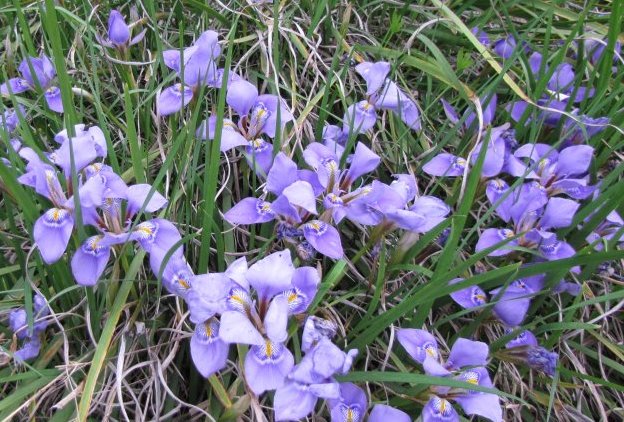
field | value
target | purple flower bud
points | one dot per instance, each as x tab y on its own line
118	30
542	360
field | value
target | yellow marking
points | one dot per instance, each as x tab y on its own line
184	283
292	297
56	214
269	348
350	415
208	330
480	297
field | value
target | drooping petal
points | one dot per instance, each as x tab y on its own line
90	260
467	353
173	99
324	238
418	343
259	156
273	103
481	35
208	351
494	191
293	401
491	237
384	413
250	211
53	99
359	117
444	164
242	96
408	112
267	365
52	232
470	297
305	285
351	406
271	275
118	30
29	350
450	111
283	173
553	249
562	79
14	85
439	410
482	404
230	135
574	188
156	233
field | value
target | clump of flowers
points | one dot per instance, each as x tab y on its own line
29	337
37	74
466	362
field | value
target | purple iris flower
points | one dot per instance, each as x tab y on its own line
533	215
335	138
258	115
11	118
41	78
525	348
388	206
489	113
313	377
466	362
561	83
196	66
481	35
560	172
607	231
260	322
595	49
498	158
119	33
31	343
505	47
382	94
157	236
351	406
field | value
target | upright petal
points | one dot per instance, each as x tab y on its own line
283	173
207	295
559	212
271	275
118	30
467	353
374	74
574	160
363	161
52	232
236	328
301	194
276	319
242	96
138	199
